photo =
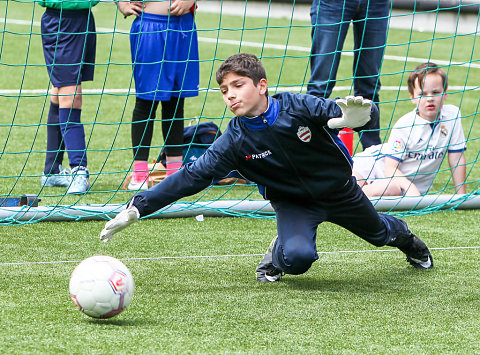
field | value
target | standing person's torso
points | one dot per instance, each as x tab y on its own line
157	7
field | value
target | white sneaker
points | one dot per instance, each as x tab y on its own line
138	182
137	185
80	181
62	179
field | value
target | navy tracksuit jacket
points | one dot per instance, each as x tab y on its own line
299	164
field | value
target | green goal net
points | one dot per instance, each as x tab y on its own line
280	35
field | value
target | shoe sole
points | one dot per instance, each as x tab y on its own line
51	184
267	278
273	278
419	264
77	192
55	185
133	188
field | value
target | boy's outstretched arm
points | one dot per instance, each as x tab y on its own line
183	183
217	161
356	112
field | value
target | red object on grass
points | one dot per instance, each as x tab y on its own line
346	136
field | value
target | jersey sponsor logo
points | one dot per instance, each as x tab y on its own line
443	131
262	155
397	145
428	155
304	134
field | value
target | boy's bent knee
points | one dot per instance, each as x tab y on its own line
297	261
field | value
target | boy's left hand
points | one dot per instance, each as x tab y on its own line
356	113
181	7
121	221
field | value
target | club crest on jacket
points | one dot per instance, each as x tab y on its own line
304	134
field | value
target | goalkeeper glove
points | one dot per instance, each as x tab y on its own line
125	218
355	113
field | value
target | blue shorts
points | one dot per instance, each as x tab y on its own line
69	50
164	56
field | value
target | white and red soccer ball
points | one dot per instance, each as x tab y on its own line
101	286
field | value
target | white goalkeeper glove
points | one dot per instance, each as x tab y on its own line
355	113
125	218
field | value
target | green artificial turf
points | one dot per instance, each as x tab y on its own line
195	281
196	291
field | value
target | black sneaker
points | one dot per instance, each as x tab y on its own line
417	252
266	272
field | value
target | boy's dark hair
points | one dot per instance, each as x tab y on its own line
421	72
242	64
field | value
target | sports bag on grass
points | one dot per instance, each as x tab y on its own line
197	139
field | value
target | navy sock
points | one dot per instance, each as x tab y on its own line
55	146
73	136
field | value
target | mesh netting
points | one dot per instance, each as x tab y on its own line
280	35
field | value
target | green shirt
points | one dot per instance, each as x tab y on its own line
68	4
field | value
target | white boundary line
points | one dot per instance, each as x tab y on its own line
268	45
43	92
244	44
223	256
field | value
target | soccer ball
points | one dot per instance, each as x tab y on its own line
101	286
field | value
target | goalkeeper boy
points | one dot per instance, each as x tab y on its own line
287	144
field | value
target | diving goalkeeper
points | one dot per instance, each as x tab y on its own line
287	143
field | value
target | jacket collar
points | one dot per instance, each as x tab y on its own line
271	114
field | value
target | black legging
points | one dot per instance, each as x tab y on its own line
143	119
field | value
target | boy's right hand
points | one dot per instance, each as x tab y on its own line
128	8
356	113
121	221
